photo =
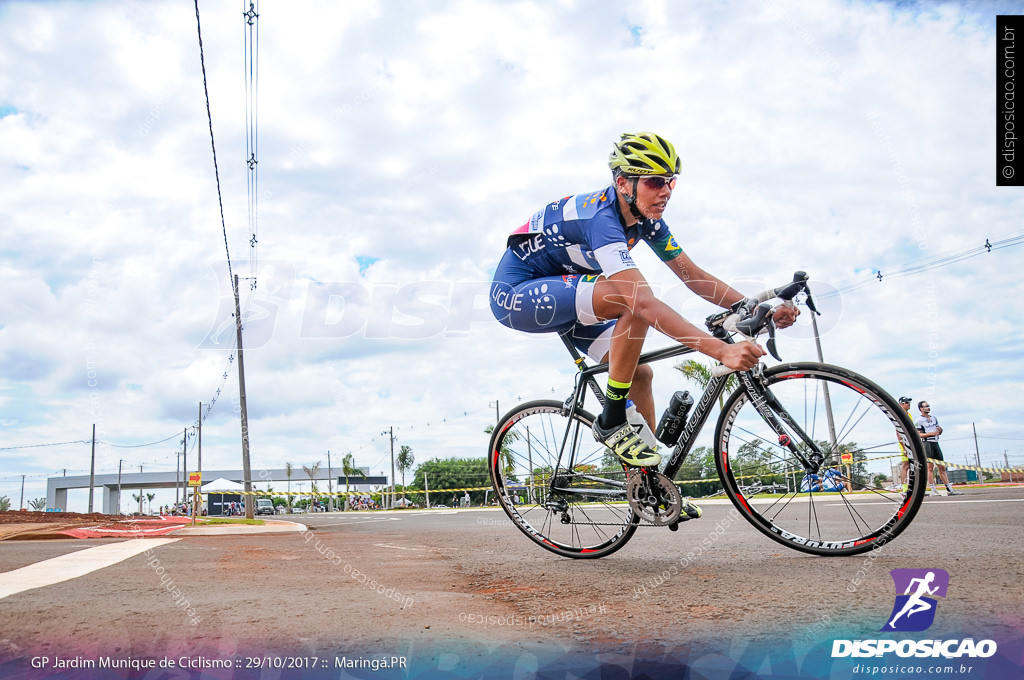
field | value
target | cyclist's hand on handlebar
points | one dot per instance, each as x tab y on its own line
785	315
741	356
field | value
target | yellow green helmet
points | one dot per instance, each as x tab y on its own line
644	153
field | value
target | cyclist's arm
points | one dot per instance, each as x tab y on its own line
709	287
714	290
628	288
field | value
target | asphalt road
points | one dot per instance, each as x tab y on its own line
451	592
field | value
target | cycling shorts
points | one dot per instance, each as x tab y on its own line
932	450
525	301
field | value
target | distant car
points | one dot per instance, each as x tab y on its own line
441	506
264	506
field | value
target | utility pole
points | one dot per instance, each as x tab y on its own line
426	488
184	468
330	492
177	461
1006	460
196	497
824	385
21	503
390	432
977	454
246	471
497	412
529	456
92	468
119	486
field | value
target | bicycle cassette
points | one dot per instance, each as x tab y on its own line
654	497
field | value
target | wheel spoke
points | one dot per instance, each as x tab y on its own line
544	450
839	517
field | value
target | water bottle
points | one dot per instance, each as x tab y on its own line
671	425
634	418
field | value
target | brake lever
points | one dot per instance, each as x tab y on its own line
771	339
810	301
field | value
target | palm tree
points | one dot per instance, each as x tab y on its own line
404	461
138	496
506	453
348	467
5	503
699	373
288	470
149	498
38	504
311	472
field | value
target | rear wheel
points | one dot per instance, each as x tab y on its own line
849	506
578	511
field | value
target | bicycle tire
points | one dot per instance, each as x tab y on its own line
815	516
524	452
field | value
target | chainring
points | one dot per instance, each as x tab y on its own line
654	497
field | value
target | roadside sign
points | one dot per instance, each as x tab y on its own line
846	458
195	478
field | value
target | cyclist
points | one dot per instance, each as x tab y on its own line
569	267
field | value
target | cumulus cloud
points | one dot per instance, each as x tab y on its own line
399	145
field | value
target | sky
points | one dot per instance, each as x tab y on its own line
397	146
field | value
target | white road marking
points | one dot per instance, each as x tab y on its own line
977	500
73	565
356	521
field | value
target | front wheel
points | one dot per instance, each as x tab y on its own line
558	485
848	506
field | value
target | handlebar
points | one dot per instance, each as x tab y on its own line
752	316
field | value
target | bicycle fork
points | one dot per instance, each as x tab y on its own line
772	410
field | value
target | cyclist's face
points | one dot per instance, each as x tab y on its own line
653	199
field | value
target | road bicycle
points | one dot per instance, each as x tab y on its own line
780	432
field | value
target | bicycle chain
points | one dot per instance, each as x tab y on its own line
613	524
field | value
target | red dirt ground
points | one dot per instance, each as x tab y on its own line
21	525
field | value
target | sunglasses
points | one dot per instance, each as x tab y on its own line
657	183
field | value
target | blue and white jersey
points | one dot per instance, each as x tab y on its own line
584	234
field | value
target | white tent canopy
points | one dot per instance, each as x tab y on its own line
222	486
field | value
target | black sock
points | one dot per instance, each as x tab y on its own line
614	413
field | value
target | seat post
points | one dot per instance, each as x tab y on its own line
576	356
581	364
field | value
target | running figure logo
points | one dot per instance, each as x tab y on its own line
914	610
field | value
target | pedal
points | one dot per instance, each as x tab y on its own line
691	511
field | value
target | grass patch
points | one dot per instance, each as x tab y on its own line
232	520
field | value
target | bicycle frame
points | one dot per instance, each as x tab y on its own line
763	401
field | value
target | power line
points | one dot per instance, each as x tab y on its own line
213	146
929	264
36	446
137	446
251	38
